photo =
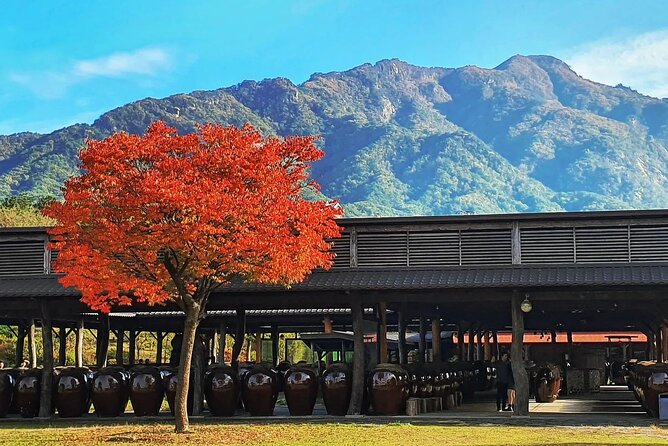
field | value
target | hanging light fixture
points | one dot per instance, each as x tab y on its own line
526	306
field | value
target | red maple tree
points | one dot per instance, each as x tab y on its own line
165	217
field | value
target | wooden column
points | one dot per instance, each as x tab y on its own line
382	331
274	345
497	349
47	364
32	346
553	335
471	344
239	338
328	328
258	347
519	372
436	339
422	345
222	343
159	337
478	345
664	343
22	331
487	348
658	345
102	341
460	342
120	334
62	345
355	406
403	351
132	346
78	345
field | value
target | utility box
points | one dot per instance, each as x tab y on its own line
663	406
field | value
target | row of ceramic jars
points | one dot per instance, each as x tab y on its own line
648	379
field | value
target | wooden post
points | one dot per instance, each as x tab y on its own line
403	351
328	328
222	343
471	344
159	337
357	394
519	372
460	342
478	346
62	345
32	346
422	345
103	341
239	338
487	349
553	335
120	334
20	342
258	347
658	345
382	331
664	342
132	346
274	345
47	364
78	345
497	349
436	339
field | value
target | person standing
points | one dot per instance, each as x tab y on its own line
503	375
511	389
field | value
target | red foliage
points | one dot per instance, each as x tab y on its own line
216	204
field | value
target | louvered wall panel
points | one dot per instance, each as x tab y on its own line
602	244
54	255
342	250
547	245
486	247
21	258
649	244
433	248
381	249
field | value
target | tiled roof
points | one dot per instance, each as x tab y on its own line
516	276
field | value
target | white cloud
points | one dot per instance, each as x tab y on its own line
55	83
640	62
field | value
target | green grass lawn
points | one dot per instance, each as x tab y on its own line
331	434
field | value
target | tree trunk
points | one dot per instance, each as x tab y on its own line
103	341
187	347
519	372
197	374
47	364
357	394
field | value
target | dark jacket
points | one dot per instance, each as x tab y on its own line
504	373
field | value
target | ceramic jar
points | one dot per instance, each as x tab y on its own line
27	395
6	392
260	390
146	390
110	391
72	391
301	389
222	389
389	389
337	383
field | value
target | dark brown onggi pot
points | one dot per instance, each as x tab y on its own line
337	383
146	390
388	386
71	391
6	392
170	382
301	389
260	391
222	389
27	393
110	391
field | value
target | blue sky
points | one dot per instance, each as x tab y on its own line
63	62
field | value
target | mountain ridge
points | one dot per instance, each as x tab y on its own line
400	139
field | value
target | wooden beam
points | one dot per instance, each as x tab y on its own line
120	334
403	351
436	339
357	394
62	345
32	346
78	345
22	331
382	331
516	359
47	363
